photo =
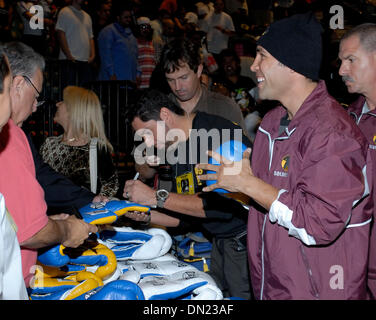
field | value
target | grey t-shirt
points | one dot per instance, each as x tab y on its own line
217	104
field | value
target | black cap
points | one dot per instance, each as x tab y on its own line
296	42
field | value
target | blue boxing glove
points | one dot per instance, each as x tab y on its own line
128	243
106	213
49	286
232	150
52	289
115	290
54	257
178	285
93	213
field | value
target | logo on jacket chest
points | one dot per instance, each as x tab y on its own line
373	144
284	167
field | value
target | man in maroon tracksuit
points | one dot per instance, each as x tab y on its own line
358	70
308	237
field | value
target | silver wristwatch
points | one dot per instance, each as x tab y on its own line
161	196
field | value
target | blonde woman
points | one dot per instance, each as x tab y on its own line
81	117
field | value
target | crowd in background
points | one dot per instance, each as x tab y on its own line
149	44
128	36
96	41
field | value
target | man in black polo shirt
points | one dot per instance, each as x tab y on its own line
184	136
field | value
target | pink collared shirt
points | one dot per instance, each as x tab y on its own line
23	194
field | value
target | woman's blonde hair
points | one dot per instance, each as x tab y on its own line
85	114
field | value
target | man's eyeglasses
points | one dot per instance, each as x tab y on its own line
40	100
144	26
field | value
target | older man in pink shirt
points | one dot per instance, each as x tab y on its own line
23	194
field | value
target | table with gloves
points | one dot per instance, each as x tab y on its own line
123	263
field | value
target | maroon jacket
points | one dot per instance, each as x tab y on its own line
367	124
313	243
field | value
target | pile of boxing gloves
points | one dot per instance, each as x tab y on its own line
120	263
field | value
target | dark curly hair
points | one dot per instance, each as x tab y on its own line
178	51
149	104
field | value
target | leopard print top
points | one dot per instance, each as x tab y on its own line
73	162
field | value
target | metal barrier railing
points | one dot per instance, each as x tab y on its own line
115	96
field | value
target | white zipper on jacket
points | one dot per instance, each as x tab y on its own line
365	193
271	142
271	149
357	119
366	189
262	258
365	110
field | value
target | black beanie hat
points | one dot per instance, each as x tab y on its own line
296	42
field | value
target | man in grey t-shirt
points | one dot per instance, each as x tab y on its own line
181	62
